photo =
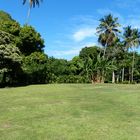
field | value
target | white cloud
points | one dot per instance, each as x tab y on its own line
80	33
71	51
84	33
84	27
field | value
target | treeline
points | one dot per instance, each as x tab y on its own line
23	62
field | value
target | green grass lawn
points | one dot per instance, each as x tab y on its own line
70	112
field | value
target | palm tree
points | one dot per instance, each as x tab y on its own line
108	31
132	41
32	3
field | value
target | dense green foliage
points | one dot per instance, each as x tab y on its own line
5	16
22	60
31	40
70	112
10	63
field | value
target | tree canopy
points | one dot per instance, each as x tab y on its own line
23	61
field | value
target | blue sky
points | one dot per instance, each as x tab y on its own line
69	25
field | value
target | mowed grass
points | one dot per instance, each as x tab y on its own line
70	112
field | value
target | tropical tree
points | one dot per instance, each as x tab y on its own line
5	16
35	67
10	61
131	41
76	65
108	34
5	38
89	57
32	4
31	40
108	31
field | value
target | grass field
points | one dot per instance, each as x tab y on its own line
70	112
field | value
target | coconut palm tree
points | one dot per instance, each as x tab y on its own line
108	31
132	41
32	4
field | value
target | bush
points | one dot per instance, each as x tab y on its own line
71	79
125	82
134	82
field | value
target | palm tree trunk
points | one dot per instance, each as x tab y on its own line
104	52
133	61
28	14
103	71
117	78
113	77
123	74
129	75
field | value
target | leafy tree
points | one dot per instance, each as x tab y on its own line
58	66
5	16
35	67
26	38
31	40
91	52
11	27
5	38
10	60
89	56
76	65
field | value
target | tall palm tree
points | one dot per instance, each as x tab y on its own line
32	4
108	31
132	41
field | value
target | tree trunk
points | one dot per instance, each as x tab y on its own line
132	74
98	76
28	14
102	77
103	71
129	75
92	79
117	79
123	74
104	52
113	77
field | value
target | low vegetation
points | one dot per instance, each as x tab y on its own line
70	112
